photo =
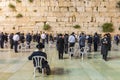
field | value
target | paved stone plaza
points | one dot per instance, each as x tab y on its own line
15	66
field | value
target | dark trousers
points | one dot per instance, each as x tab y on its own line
104	51
71	44
89	45
72	50
60	55
95	46
105	55
2	44
15	46
43	41
117	42
11	44
66	48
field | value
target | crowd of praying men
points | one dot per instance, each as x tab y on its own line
62	41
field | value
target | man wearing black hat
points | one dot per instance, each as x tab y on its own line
60	45
104	47
45	65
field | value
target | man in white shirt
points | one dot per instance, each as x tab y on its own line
71	41
43	37
16	38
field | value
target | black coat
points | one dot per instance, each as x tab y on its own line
11	39
60	44
96	39
90	40
28	38
38	53
104	46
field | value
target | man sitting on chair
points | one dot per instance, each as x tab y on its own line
45	64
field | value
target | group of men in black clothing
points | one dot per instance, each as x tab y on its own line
63	41
66	41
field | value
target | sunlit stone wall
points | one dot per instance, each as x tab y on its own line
61	15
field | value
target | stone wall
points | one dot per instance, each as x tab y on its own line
61	15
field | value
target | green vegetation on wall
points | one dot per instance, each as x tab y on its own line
12	6
19	15
35	10
31	1
76	26
13	28
119	28
46	27
118	4
7	16
19	1
107	27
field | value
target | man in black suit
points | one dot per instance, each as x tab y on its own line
2	38
90	39
96	41
11	40
60	45
28	39
45	64
104	47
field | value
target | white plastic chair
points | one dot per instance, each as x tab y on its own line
85	51
22	47
70	51
38	63
6	44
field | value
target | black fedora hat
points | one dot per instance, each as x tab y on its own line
40	46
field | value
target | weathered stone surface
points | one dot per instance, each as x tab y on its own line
89	14
51	19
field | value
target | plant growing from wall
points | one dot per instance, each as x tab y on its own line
30	1
46	27
76	26
12	6
18	1
7	16
97	8
34	10
119	28
19	15
13	28
107	27
118	4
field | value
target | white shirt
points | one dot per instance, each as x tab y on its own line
16	37
71	39
43	36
